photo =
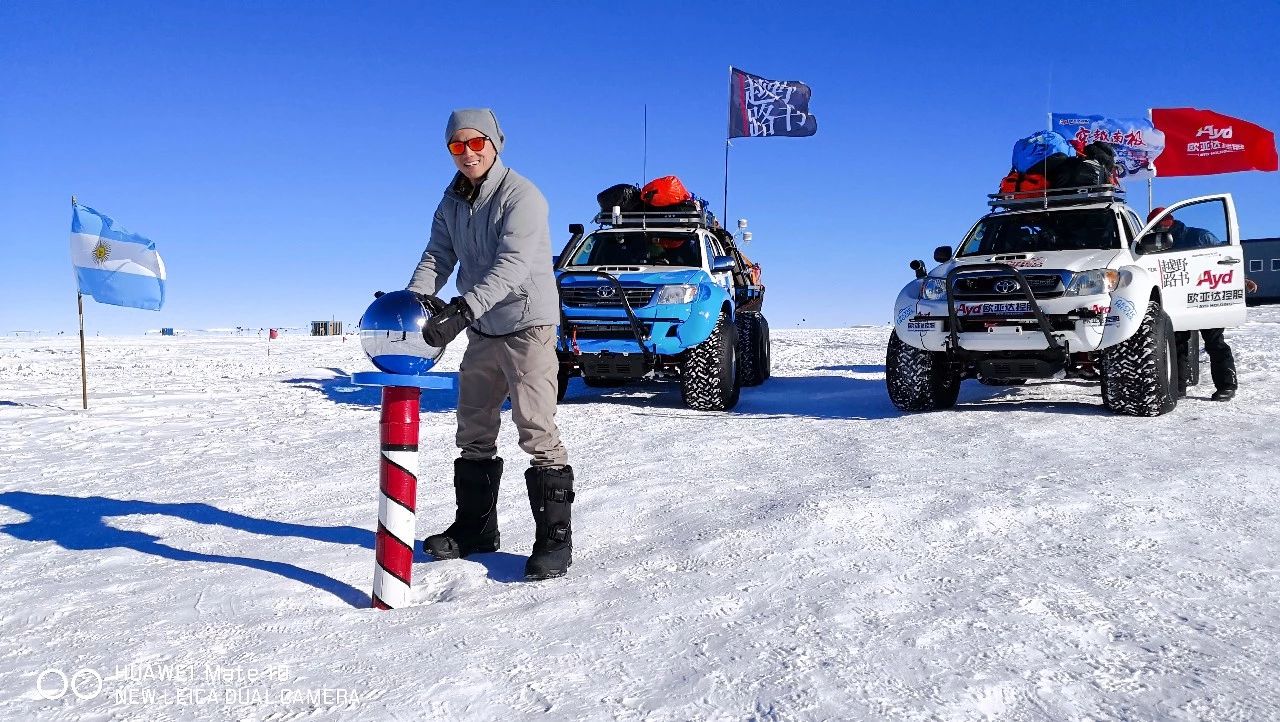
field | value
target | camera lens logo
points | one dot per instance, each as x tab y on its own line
83	683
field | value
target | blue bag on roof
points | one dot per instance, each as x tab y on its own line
1038	146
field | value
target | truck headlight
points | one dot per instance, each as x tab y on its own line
679	293
1093	283
934	289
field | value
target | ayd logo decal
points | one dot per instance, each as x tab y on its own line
1213	280
1214	133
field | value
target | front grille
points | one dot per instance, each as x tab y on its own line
589	296
983	288
606	331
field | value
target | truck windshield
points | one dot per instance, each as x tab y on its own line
1055	230
639	248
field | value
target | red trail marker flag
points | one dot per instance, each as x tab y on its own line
1202	142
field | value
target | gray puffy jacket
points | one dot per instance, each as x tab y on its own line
502	247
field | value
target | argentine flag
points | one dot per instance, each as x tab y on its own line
113	265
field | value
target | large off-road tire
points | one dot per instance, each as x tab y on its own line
753	349
919	380
764	361
1140	374
709	374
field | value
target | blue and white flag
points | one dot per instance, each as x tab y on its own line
1135	140
113	265
759	107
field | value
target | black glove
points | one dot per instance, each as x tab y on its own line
433	303
446	324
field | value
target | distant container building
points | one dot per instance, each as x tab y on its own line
1262	265
326	328
166	331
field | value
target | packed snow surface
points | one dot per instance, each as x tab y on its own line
199	544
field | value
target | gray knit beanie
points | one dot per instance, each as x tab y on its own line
482	119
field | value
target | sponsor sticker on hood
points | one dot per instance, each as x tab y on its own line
1021	262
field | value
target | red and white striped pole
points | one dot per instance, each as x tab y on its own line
398	500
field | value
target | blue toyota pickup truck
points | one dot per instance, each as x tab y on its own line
662	295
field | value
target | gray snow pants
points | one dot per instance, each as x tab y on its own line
523	366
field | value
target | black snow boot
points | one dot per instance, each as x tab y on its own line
475	526
550	495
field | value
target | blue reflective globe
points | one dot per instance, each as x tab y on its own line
391	334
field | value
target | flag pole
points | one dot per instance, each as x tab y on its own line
1151	177
727	145
84	378
728	133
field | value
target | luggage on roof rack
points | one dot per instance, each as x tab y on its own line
695	213
1057	197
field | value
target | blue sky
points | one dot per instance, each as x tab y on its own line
286	157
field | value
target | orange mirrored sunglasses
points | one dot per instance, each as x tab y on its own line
458	147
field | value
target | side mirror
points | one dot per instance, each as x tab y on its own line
722	264
1155	241
918	266
942	254
576	230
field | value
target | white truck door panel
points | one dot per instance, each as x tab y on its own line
1202	275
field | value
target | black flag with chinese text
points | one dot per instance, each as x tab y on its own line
760	107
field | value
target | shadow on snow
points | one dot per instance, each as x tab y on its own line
340	390
825	397
79	524
821	397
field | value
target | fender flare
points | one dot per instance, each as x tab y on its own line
1129	304
903	309
704	312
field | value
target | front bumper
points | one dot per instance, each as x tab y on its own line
1083	323
669	329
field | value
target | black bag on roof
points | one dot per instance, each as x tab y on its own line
1048	166
1104	154
1078	171
624	195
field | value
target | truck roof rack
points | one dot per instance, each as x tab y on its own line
1056	197
702	217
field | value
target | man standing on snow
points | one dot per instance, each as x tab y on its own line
492	224
1222	363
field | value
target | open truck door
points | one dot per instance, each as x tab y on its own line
1193	247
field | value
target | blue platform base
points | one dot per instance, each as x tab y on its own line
446	382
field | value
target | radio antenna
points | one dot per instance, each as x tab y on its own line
644	167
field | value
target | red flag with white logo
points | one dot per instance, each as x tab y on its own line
1202	142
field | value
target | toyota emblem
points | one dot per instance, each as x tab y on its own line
1006	285
606	291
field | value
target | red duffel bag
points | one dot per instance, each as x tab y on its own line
664	191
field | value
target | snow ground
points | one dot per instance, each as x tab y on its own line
201	539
